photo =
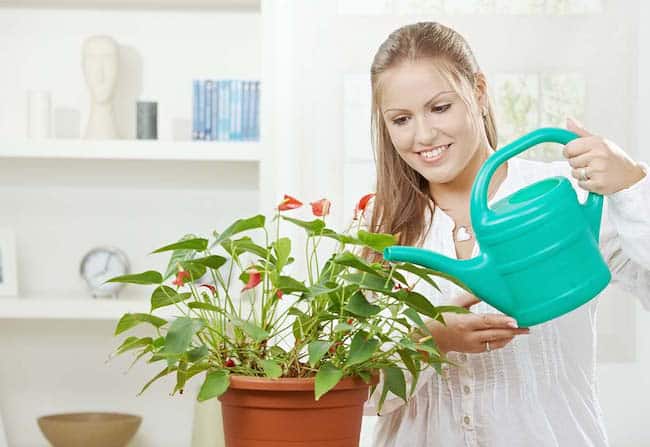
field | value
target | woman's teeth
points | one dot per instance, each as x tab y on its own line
435	152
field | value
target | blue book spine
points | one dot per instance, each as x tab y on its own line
208	109
215	111
238	109
256	111
244	110
223	106
233	95
227	126
201	112
195	109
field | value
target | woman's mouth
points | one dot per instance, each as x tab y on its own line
434	155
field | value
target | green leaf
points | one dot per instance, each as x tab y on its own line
161	374
178	256
417	301
313	227
196	271
343	238
343	327
358	305
421	272
133	343
196	244
282	249
252	330
130	320
394	378
204	306
246	245
326	378
317	350
271	369
370	282
179	336
350	260
376	241
238	226
415	318
148	277
213	261
411	366
361	349
216	383
322	289
196	354
165	296
289	285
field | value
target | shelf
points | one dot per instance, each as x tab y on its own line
135	4
84	308
155	150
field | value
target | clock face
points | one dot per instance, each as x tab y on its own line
100	265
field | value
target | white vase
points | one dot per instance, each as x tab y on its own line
207	429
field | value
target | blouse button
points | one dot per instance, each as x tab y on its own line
467	420
466	389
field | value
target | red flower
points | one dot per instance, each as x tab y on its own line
230	363
363	202
254	278
350	320
321	207
212	288
181	278
289	203
279	294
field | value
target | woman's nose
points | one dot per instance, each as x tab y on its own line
425	132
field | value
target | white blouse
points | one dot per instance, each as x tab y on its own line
540	389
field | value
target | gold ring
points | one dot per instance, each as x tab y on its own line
487	346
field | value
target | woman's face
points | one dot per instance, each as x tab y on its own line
428	121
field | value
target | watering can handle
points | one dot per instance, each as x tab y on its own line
478	200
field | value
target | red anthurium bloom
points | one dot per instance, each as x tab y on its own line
350	320
212	288
279	294
363	202
254	278
181	278
321	207
230	363
289	203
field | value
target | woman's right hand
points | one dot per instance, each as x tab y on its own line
470	332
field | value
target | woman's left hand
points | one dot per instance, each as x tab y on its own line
598	164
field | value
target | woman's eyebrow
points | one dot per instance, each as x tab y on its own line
429	102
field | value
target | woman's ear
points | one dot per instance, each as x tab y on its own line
480	91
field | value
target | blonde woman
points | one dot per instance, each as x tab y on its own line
433	128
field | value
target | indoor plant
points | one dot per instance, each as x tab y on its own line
251	329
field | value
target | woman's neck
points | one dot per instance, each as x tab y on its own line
454	196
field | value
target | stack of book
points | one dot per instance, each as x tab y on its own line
226	110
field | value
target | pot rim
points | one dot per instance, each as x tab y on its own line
294	383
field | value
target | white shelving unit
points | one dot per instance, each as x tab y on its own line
153	150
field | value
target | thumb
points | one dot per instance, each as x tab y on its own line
576	127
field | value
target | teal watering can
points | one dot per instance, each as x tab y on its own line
539	256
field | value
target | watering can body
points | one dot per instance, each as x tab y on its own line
539	256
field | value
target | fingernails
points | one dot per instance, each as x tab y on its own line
512	323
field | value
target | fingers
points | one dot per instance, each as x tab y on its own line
576	127
498	334
488	321
498	344
465	300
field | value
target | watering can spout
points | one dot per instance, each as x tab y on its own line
476	275
593	209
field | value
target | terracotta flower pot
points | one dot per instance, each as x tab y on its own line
260	412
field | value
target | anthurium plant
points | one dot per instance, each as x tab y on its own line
346	317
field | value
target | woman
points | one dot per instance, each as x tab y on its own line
433	128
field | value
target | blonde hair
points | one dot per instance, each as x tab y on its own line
402	194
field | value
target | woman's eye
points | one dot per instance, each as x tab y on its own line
400	121
440	109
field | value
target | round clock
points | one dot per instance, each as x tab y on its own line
101	264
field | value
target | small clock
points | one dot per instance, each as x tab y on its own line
101	264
